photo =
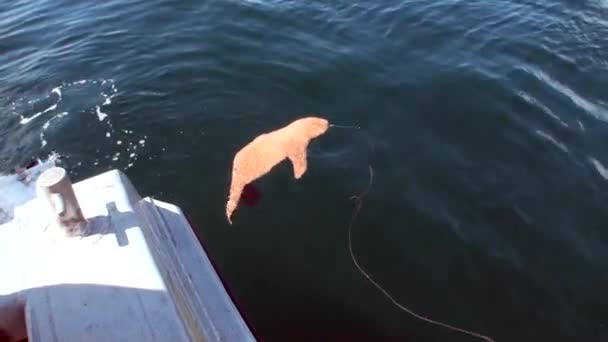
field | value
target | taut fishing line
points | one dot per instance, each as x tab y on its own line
258	157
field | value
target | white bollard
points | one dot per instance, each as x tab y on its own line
55	187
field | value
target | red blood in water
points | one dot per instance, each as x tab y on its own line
251	196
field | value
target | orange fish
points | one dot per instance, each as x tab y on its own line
268	150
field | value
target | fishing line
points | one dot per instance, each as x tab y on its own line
358	204
345	127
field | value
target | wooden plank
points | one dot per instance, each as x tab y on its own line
197	290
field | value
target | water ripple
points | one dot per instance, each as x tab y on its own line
593	109
452	98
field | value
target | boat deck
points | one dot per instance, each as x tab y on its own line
136	273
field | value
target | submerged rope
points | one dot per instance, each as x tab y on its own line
358	204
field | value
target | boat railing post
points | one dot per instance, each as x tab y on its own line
55	188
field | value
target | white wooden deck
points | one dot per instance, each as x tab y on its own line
138	273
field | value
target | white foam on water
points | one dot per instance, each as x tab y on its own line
129	147
126	140
57	93
261	3
47	124
25	121
56	117
57	90
107	99
100	115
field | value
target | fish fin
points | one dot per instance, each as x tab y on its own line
299	162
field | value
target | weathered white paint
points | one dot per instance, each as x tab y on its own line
137	274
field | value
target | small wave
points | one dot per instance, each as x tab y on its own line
113	33
531	100
46	125
591	108
580	125
151	93
57	92
549	138
601	169
25	121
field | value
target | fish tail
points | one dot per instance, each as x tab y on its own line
233	200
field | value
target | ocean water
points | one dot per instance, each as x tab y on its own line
485	123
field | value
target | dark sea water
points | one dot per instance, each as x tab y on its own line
485	122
